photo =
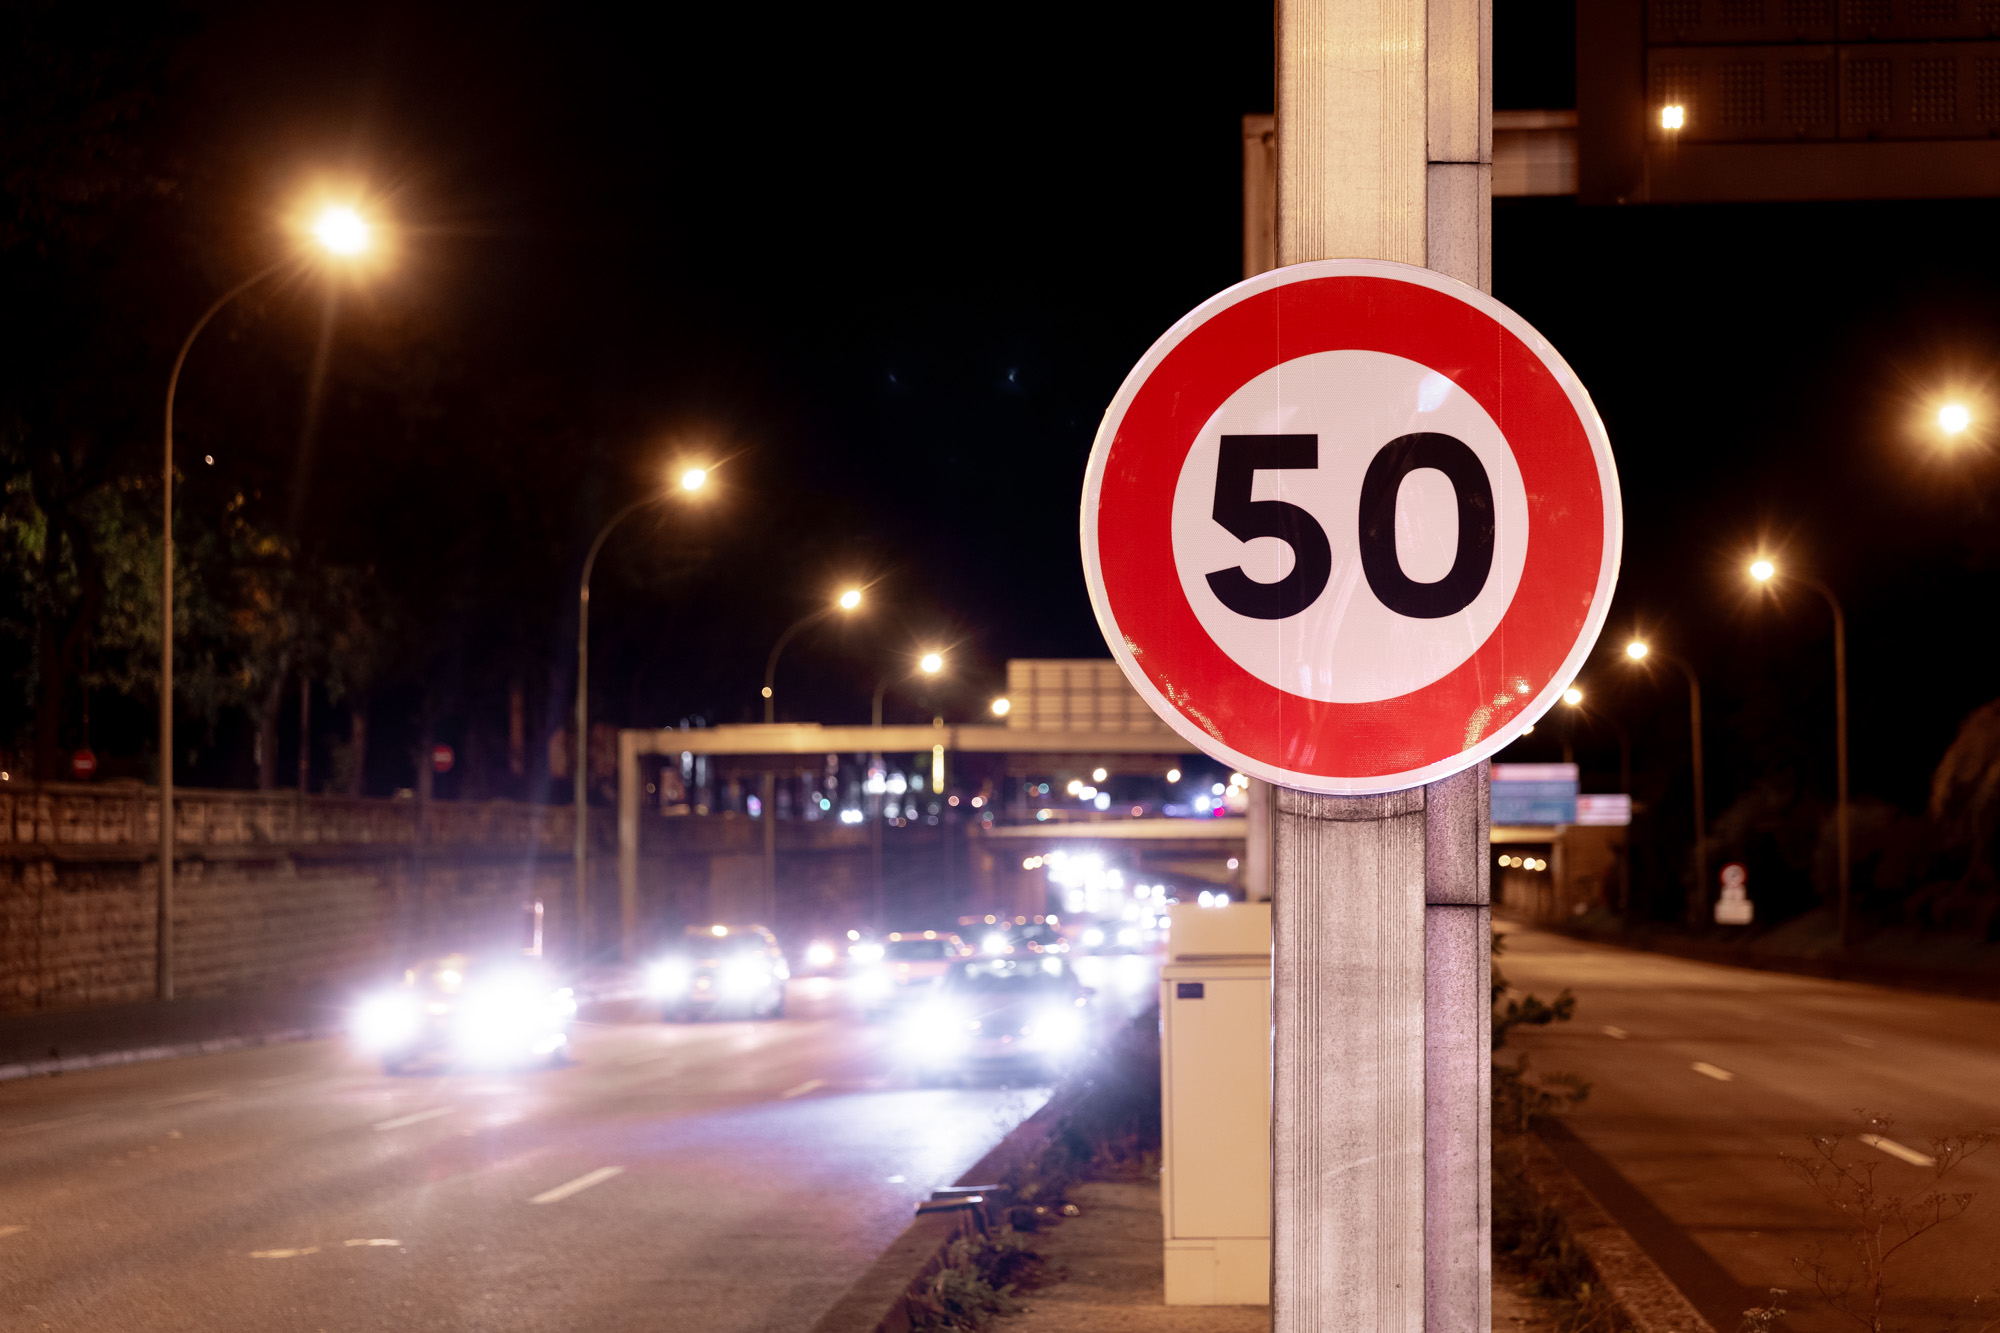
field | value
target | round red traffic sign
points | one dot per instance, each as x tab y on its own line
83	764
1351	526
443	757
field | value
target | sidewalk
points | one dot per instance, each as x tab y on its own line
1105	1265
74	1039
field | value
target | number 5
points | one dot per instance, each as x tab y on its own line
1239	460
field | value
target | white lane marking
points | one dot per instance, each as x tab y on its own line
1898	1151
13	1229
211	1095
1616	1034
350	1244
415	1117
282	1080
577	1186
55	1124
284	1254
1708	1070
810	1085
1863	1042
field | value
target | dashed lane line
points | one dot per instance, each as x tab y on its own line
810	1085
55	1124
1615	1033
1898	1151
1707	1070
211	1094
1863	1042
577	1186
12	1229
284	1254
375	1240
415	1118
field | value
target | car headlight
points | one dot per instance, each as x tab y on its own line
386	1022
669	978
819	954
939	1028
1058	1029
1092	938
745	976
873	983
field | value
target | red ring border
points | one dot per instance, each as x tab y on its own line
1335	742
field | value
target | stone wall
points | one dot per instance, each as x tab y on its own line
282	890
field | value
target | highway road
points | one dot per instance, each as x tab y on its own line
716	1176
1702	1076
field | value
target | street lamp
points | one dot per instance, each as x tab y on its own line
1763	571
1638	651
691	480
1954	418
847	602
338	231
929	664
1573	696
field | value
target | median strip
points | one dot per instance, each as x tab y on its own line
577	1186
1707	1070
416	1117
1898	1151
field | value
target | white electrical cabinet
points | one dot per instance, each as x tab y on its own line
1215	1077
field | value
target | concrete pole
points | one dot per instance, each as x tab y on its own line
1379	1008
630	745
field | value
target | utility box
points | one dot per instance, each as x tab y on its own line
1215	1085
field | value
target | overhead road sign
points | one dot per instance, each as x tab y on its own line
1351	526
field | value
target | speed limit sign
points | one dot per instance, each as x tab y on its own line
1351	526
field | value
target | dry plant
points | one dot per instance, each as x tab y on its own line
1882	1223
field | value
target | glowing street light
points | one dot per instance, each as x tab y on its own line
1673	116
1173	775
343	233
1573	697
1954	418
1762	570
850	599
694	478
1636	649
1002	707
932	663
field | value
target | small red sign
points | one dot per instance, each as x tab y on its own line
83	765
442	758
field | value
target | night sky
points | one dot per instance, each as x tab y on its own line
891	264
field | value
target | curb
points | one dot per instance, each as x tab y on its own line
878	1301
71	1064
1649	1299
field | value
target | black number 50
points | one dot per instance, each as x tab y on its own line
1242	456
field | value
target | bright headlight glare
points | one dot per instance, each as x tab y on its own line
819	954
875	981
938	1028
384	1022
667	979
746	976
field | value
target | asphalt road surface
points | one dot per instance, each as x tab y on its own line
715	1176
1702	1076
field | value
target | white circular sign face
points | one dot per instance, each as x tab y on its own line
1351	526
1347	646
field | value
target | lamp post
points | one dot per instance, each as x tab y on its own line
1763	571
930	664
693	479
849	600
1573	696
344	234
1638	650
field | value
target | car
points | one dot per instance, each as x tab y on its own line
999	1015
721	971
911	963
457	1009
